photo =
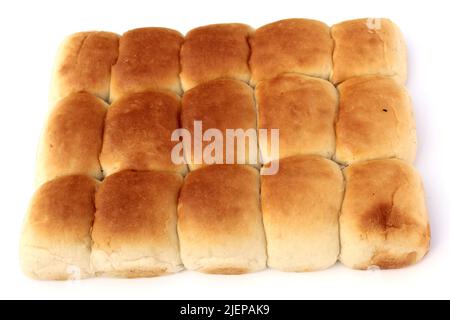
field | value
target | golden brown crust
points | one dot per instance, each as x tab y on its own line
84	64
206	196
138	131
219	220
226	271
135	224
300	206
220	104
133	208
375	121
303	109
72	138
384	220
148	60
292	45
213	52
56	234
368	47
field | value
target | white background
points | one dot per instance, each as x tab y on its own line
30	34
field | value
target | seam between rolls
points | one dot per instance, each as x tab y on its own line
180	68
262	220
249	57
91	244
176	225
335	122
103	174
108	98
330	78
80	48
344	177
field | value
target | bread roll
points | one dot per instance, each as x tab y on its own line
219	221
84	63
56	239
148	60
134	233
221	104
213	52
384	219
292	45
138	131
303	109
368	47
375	121
72	139
300	207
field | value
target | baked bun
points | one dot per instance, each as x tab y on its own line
303	109
138	131
220	104
83	63
293	45
384	220
300	208
215	51
375	121
56	238
219	221
368	47
134	233
148	60
72	138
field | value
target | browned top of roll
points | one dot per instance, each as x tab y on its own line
148	59
133	208
215	51
292	45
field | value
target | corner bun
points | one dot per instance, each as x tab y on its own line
381	50
384	221
56	239
83	63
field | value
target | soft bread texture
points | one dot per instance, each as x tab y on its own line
219	221
384	220
72	139
213	52
134	234
292	45
148	60
303	109
300	208
375	121
83	63
137	135
56	241
220	104
368	47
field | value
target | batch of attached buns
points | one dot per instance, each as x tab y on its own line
111	202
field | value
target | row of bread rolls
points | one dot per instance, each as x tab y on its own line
110	66
226	219
365	118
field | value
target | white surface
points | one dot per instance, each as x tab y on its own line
30	33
